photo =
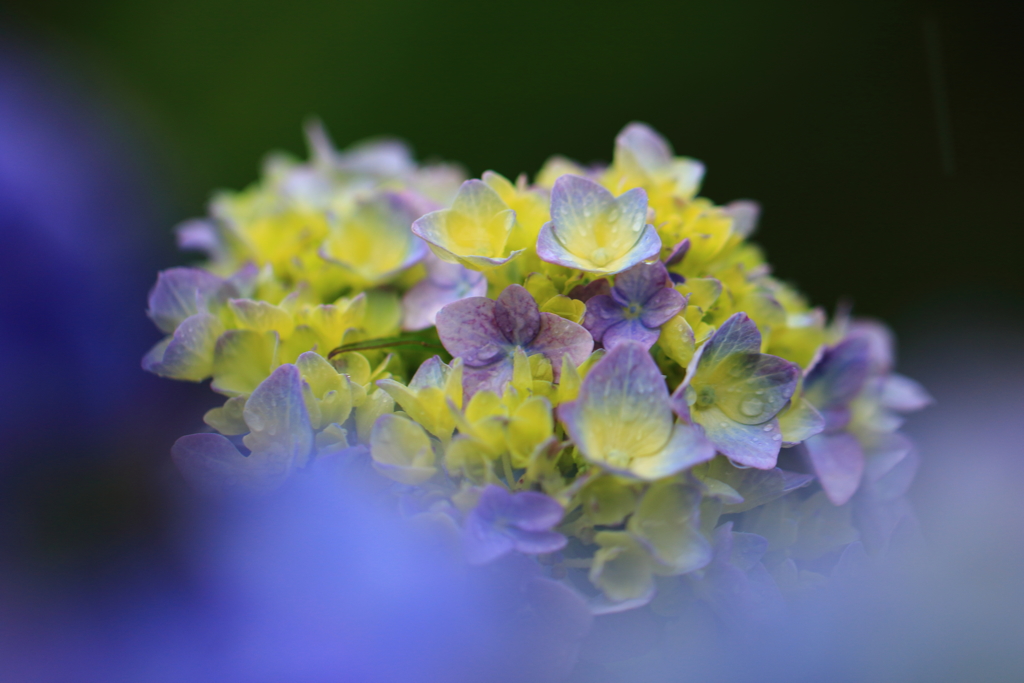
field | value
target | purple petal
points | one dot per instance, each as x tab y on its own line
838	461
559	337
574	200
903	394
678	252
445	283
494	377
481	542
738	334
879	339
639	144
662	307
468	330
180	293
281	435
638	284
209	462
630	331
198	234
532	511
517	315
749	445
885	454
550	250
586	292
744	214
757	388
536	542
838	376
602	313
188	354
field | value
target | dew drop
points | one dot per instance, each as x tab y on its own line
613	215
751	406
767	428
255	422
776	437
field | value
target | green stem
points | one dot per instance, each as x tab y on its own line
506	462
373	344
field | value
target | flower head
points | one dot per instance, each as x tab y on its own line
474	231
641	301
594	231
733	391
485	334
502	522
622	419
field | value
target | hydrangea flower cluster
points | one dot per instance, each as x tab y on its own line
596	370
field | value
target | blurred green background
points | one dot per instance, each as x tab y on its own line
882	138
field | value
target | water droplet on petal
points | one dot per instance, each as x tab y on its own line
767	428
751	406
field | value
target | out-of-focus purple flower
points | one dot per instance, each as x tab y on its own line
736	584
445	283
854	390
734	392
641	301
279	441
502	522
485	334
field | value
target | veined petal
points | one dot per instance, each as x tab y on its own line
638	284
639	149
559	337
800	422
753	387
622	411
468	330
838	461
242	359
401	449
180	293
751	445
494	377
602	312
685	448
516	315
667	520
738	334
839	375
187	354
630	331
280	435
594	231
662	307
477	225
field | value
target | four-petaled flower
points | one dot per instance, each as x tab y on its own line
594	231
641	301
474	232
622	419
734	392
502	522
485	334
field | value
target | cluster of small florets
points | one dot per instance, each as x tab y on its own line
620	388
